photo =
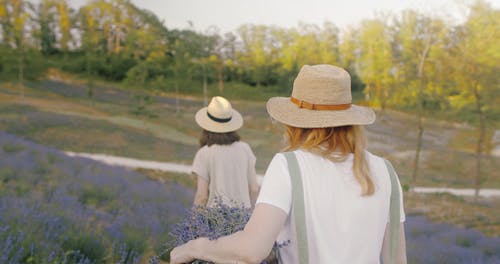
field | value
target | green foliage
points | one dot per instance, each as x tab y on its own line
375	61
113	67
7	60
146	72
410	61
32	62
81	246
135	242
7	174
13	148
142	109
94	195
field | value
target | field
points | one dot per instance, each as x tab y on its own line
57	208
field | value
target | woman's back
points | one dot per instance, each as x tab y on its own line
343	226
228	169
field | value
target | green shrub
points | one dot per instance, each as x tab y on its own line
7	174
22	188
82	246
13	148
464	241
94	196
135	241
42	168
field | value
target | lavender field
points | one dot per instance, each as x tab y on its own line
57	209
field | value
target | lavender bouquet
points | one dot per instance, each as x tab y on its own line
213	222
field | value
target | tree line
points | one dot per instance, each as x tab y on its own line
411	60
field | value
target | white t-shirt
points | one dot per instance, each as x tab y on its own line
342	225
229	169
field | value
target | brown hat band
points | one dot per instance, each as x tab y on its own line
306	105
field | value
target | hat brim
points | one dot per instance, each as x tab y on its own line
208	124
284	111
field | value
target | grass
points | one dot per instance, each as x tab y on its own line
466	140
12	148
84	210
105	124
445	208
61	116
88	135
442	168
186	180
53	207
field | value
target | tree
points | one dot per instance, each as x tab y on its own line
419	40
65	25
46	33
476	56
16	21
228	54
258	55
89	33
348	56
375	62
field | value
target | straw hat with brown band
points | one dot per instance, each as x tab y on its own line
321	97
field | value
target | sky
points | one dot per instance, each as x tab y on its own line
228	15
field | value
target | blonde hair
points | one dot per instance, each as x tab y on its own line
328	141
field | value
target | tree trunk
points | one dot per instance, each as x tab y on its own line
21	72
417	151
205	99
90	81
420	132
220	76
383	99
480	140
420	128
367	92
420	110
65	55
176	80
117	39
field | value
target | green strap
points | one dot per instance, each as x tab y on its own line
298	206
299	211
394	221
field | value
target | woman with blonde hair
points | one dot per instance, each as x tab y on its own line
326	197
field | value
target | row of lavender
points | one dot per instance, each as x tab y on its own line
57	209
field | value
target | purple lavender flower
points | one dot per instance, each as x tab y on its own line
212	222
47	198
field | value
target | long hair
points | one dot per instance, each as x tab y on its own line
209	138
329	141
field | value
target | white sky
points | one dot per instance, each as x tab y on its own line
227	15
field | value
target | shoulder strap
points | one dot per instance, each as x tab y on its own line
298	206
394	221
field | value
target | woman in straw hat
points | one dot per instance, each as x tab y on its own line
225	166
329	198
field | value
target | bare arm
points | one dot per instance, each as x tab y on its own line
251	245
253	189
402	246
201	196
253	186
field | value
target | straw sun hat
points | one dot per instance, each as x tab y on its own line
219	116
321	97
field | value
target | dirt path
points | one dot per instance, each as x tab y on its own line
183	168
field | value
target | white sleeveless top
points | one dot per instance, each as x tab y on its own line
342	225
229	170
